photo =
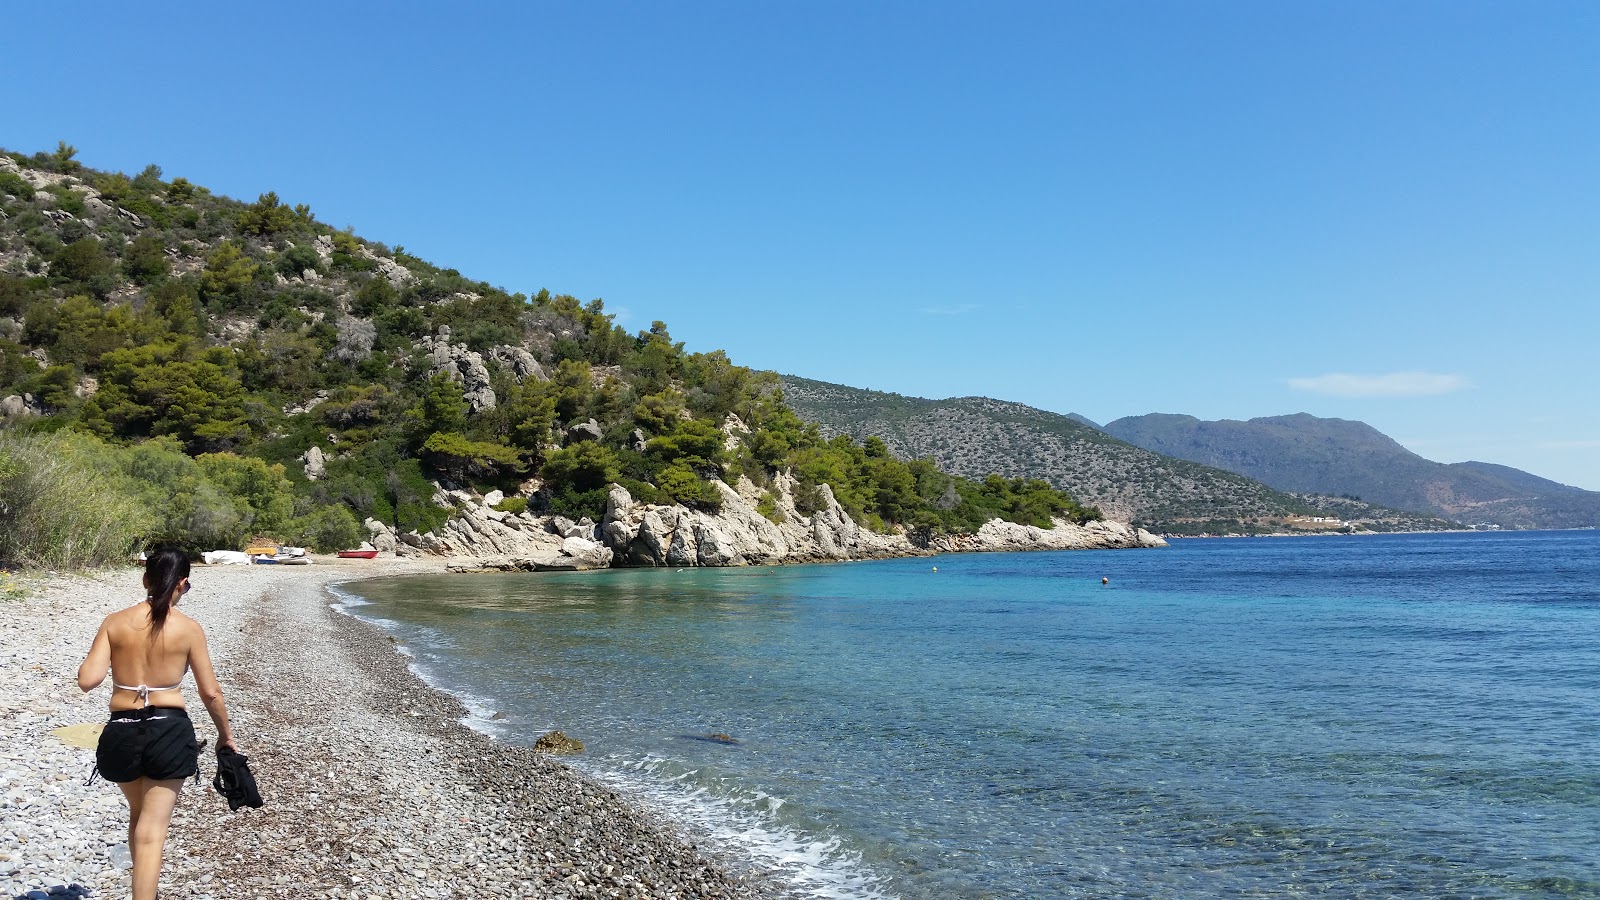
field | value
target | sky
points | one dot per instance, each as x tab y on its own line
1379	211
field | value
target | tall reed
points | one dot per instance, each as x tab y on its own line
63	505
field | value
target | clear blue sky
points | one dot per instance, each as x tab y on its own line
1372	210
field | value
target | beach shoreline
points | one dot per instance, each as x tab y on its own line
374	786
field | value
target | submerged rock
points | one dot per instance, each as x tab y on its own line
556	742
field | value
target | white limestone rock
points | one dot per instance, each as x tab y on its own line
315	464
462	366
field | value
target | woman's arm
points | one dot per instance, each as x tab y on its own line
205	680
95	666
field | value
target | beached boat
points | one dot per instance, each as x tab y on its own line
358	554
281	560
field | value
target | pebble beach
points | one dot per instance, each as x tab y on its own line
373	787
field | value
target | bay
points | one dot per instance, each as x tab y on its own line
1348	716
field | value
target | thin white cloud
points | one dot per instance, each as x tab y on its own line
958	310
1394	384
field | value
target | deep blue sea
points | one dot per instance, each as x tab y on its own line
1406	715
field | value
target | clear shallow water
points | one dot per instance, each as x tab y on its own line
1378	716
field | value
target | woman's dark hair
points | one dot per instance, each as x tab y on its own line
163	569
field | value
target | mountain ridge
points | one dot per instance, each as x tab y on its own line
1305	453
977	435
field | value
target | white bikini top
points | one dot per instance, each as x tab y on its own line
145	689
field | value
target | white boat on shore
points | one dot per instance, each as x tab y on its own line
283	560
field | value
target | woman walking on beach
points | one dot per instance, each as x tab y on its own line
148	747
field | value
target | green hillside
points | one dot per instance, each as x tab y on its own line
1302	452
234	368
971	435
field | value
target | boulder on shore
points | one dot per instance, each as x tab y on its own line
556	742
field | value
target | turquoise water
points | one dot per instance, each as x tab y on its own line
1377	716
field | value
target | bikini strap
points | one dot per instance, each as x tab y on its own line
145	689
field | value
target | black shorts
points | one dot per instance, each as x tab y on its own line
154	742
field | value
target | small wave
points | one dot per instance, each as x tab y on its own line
480	710
344	601
746	823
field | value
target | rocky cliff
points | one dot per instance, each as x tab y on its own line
482	538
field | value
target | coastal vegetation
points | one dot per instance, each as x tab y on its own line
203	370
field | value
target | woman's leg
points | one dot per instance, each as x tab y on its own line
134	792
150	832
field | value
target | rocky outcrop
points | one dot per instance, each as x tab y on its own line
520	362
316	465
734	432
649	535
383	539
583	431
556	742
1000	535
481	538
463	365
396	274
19	405
300	409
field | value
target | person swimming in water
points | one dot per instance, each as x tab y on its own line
148	746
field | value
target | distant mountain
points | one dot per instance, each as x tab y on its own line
976	436
1303	452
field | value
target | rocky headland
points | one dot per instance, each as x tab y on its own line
631	534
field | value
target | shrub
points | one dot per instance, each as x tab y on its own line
768	507
576	504
328	529
585	466
462	458
145	260
60	508
67	199
267	216
684	486
512	505
85	263
297	259
15	185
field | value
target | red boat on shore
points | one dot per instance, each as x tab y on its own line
358	554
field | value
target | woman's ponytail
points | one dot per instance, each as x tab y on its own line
164	570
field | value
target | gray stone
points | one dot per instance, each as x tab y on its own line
315	464
682	551
584	431
14	406
520	362
712	547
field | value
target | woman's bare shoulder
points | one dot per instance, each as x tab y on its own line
119	617
183	620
